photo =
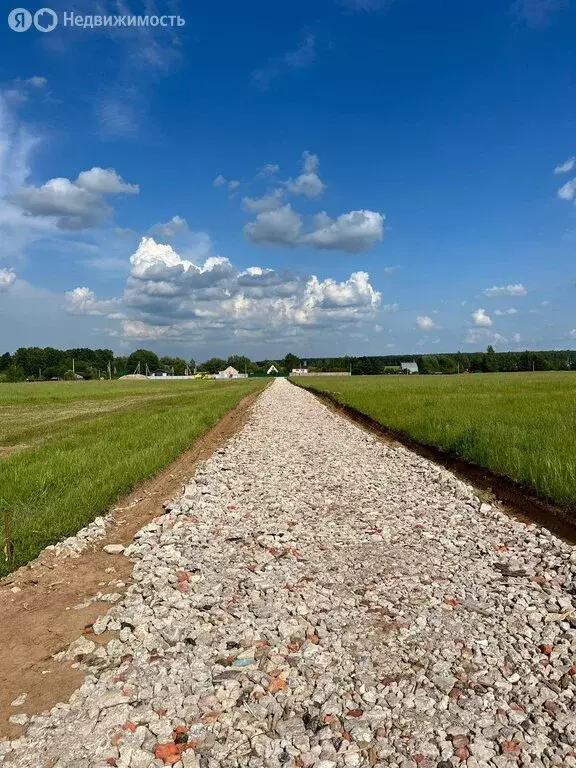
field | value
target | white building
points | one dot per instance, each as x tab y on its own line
230	373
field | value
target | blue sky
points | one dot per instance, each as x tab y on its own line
328	177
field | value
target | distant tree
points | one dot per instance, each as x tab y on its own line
213	365
5	361
175	364
15	373
144	357
290	362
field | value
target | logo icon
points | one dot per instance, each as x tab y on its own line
45	20
19	20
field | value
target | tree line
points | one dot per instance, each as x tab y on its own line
35	363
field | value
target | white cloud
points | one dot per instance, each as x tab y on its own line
568	165
37	82
267	202
167	296
480	317
516	338
83	301
105	181
502	312
176	225
7	278
75	205
485	336
568	190
308	183
390	308
270	169
221	181
425	323
514	289
277	227
352	232
391	269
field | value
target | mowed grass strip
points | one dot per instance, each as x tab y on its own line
82	465
521	425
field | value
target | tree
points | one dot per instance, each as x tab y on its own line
15	373
145	358
5	361
290	362
213	365
241	363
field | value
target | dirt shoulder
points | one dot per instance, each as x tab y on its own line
37	602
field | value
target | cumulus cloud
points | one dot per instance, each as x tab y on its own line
276	227
167	296
503	312
353	232
268	202
568	165
568	190
79	204
230	184
308	183
425	323
105	181
7	278
480	317
277	223
168	229
514	289
83	301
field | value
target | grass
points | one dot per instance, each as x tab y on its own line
520	425
69	449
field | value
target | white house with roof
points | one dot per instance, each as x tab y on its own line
409	367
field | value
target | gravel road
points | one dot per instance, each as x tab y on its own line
318	598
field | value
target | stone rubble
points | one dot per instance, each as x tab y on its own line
74	545
316	599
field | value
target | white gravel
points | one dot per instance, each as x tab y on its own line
318	598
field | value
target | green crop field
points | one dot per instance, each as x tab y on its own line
521	425
69	449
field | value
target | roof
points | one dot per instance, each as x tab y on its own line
409	367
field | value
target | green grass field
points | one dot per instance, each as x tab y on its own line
521	425
69	449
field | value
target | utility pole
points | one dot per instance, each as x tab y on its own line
73	366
